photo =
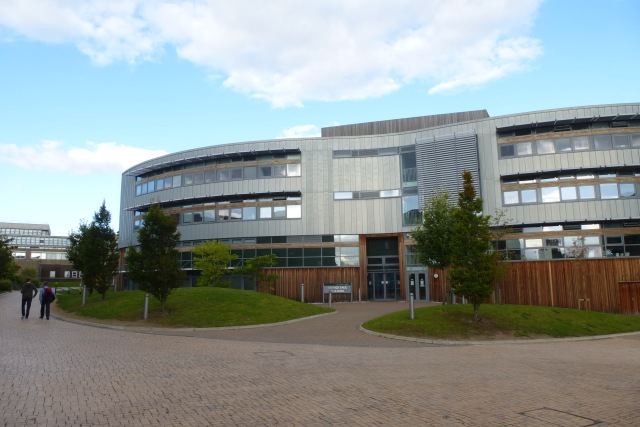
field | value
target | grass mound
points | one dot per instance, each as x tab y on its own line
501	322
191	307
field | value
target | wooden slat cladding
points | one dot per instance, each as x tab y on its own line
606	285
288	284
568	283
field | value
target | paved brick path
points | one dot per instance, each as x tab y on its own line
55	373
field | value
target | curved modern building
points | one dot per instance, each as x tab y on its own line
340	208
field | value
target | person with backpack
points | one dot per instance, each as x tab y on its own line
28	291
46	296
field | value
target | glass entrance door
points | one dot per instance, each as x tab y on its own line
384	286
418	285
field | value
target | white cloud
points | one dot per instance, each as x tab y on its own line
301	131
95	157
288	52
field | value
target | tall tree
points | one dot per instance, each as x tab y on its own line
8	266
475	267
433	236
156	266
213	259
94	251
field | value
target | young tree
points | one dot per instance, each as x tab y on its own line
156	266
213	259
94	251
433	235
475	267
8	266
255	267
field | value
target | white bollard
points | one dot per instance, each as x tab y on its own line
302	294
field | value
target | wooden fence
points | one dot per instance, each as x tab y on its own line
607	285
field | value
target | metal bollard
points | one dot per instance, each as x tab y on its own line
359	295
330	299
411	315
146	306
84	294
302	293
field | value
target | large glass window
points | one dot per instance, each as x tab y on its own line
279	171
602	142
294	169
627	189
524	149
410	212
249	213
621	140
581	143
563	144
265	212
507	150
587	192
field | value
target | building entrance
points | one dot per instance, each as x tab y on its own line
383	269
418	285
384	285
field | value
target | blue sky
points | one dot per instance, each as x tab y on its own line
88	89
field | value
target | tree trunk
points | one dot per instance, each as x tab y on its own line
476	308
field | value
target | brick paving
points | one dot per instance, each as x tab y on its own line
56	373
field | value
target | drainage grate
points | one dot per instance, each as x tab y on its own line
560	418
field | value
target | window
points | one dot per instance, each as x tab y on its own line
568	193
187	217
279	171
209	176
389	193
563	145
602	142
265	212
511	197
550	194
224	174
236	213
67	274
250	172
587	192
177	181
524	149
609	191
294	169
223	214
507	150
197	217
581	143
264	171
545	146
52	274
343	195
249	213
627	189
188	179
279	211
529	196
209	215
294	211
620	141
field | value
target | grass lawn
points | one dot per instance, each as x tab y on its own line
501	322
191	307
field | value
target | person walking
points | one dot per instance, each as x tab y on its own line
28	291
46	296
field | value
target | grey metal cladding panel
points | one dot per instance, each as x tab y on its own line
441	161
366	173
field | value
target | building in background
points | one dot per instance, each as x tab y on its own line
340	208
33	246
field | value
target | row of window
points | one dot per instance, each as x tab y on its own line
40	241
604	191
220	175
563	176
247	213
372	152
566	126
17	231
294	257
569	144
563	247
267	240
222	159
377	194
574	226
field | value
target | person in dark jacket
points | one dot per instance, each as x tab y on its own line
46	296
28	291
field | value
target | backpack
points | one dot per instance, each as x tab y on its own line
48	295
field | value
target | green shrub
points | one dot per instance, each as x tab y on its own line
5	285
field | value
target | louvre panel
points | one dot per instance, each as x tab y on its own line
441	161
368	152
369	194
